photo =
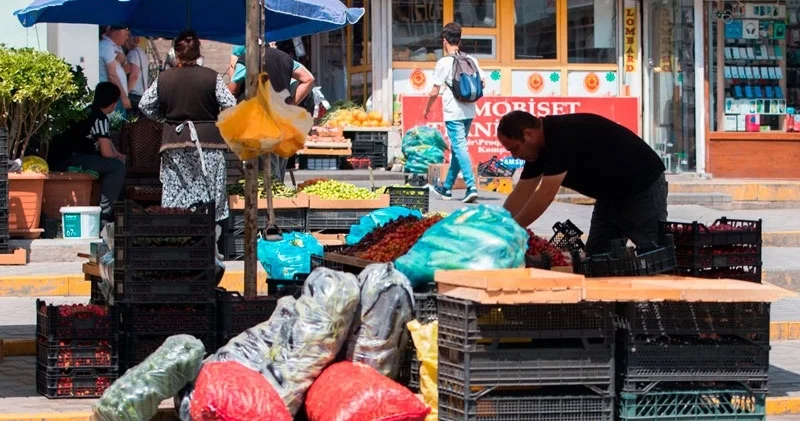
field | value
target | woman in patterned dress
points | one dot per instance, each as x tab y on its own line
188	99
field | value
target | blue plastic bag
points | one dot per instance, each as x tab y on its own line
288	257
476	238
376	219
422	146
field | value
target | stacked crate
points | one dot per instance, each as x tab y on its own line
75	352
370	144
232	240
694	361
164	277
418	198
533	361
728	248
235	314
424	312
4	234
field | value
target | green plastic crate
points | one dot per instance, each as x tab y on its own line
696	405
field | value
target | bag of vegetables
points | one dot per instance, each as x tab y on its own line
422	146
325	313
136	395
478	238
289	256
379	336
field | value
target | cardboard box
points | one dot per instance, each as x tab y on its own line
502	185
438	172
300	201
329	239
315	202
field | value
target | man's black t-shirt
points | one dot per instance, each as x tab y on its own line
603	159
279	66
81	137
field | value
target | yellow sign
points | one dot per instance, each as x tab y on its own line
630	45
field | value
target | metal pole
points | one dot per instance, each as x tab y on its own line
255	15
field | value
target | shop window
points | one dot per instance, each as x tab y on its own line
535	36
416	30
359	38
754	66
475	13
592	31
480	46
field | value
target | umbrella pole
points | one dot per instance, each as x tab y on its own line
255	16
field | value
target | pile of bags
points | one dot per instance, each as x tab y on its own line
422	146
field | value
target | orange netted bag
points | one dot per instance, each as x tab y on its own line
264	124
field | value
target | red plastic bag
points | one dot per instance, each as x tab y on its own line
348	391
229	391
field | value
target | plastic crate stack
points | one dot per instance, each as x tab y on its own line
232	240
237	314
625	261
4	234
334	220
410	197
75	353
372	145
164	277
424	312
698	361
728	248
509	362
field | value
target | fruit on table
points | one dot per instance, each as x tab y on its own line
538	246
355	117
279	189
376	235
337	190
397	243
310	182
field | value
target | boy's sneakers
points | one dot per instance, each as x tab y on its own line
440	190
471	196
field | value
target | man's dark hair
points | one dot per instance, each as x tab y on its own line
105	95
513	124
452	33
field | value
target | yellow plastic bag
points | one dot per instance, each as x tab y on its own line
426	340
264	124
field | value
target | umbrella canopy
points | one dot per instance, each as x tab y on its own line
215	20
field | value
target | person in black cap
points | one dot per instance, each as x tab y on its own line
87	144
596	157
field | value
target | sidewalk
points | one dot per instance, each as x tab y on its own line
18	398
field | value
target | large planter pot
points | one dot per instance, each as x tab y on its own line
25	192
66	189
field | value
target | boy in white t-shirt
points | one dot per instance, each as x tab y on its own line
458	116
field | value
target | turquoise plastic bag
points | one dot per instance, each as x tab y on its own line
288	257
422	146
376	219
477	238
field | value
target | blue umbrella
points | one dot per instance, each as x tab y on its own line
215	20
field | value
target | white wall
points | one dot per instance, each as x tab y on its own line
78	45
13	34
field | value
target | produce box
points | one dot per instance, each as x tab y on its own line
340	263
410	197
315	202
438	172
502	185
74	382
300	201
73	321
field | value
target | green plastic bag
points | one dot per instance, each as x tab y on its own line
477	238
423	146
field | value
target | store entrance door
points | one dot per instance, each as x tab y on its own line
669	81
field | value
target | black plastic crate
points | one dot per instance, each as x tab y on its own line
462	323
319	164
425	311
749	320
649	360
334	219
59	322
237	313
719	257
567	236
164	286
528	365
410	197
131	219
695	234
232	239
164	318
164	253
624	261
75	382
64	354
97	297
742	273
524	405
699	404
367	136
416	180
352	265
541	261
135	348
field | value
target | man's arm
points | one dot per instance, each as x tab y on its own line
305	83
133	77
432	95
540	200
523	191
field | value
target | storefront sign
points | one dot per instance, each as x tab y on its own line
631	45
482	141
665	39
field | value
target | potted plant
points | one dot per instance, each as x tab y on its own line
31	82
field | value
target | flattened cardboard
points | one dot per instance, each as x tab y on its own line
300	201
510	280
315	202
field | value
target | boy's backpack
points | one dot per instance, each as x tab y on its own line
466	84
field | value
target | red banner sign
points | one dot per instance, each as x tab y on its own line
482	140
